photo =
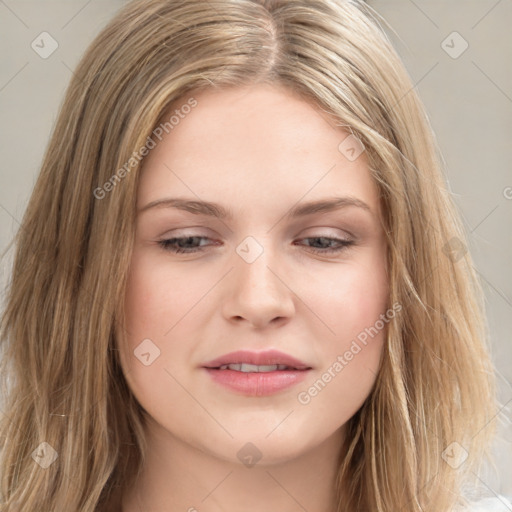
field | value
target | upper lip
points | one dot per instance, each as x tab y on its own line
267	357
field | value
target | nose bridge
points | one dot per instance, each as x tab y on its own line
256	268
259	292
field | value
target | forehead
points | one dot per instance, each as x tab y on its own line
260	143
251	118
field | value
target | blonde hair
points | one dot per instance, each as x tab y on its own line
61	376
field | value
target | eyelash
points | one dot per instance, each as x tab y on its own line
168	245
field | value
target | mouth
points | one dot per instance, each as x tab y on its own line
257	373
255	368
257	362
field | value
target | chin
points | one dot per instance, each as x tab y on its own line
270	449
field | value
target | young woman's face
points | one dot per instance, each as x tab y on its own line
305	289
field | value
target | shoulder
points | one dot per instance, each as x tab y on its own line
498	504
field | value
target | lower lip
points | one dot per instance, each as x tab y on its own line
257	383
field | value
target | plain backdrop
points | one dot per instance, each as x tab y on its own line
458	54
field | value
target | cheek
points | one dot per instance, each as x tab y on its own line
351	300
350	359
152	307
161	307
356	312
154	303
157	298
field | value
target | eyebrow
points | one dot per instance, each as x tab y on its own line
199	207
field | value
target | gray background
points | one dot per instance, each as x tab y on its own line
468	98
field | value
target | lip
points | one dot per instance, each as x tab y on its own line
257	383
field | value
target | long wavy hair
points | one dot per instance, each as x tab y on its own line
64	394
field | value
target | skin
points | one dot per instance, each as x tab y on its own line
258	151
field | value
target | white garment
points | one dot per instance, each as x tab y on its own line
500	504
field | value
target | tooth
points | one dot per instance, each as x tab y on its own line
254	368
268	368
244	367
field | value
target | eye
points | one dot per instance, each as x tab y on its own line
186	244
341	244
182	244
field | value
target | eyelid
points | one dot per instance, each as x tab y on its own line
335	231
186	231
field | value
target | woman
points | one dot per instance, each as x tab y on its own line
325	349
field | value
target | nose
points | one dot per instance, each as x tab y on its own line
259	293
